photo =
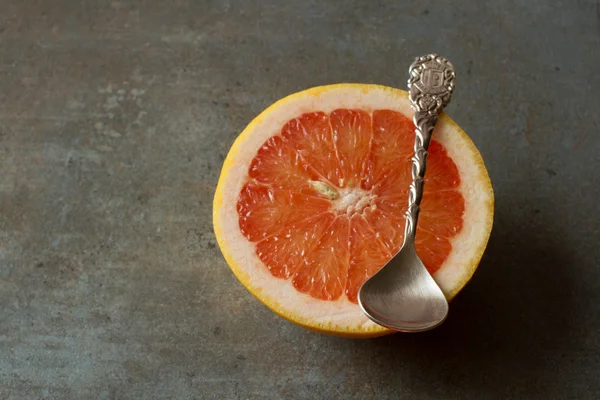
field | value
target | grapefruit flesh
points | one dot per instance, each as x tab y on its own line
312	197
326	198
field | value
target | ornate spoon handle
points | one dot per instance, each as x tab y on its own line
430	86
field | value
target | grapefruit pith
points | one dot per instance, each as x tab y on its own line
312	194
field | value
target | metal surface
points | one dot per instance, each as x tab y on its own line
402	295
115	117
430	87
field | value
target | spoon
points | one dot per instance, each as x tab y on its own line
403	296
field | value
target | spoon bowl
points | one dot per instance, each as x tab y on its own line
403	296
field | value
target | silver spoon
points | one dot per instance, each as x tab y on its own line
402	295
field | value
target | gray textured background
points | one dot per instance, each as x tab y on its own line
115	118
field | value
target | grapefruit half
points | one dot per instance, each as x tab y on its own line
311	200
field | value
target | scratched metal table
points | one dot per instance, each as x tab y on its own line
115	118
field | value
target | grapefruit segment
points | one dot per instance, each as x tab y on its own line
283	253
279	165
432	249
323	273
367	255
442	173
312	196
388	228
310	135
352	133
395	205
391	148
441	212
394	182
264	211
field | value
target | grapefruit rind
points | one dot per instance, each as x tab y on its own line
341	317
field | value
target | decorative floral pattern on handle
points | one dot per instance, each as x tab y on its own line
430	86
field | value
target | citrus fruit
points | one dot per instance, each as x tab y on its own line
312	195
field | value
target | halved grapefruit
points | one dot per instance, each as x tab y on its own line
311	198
